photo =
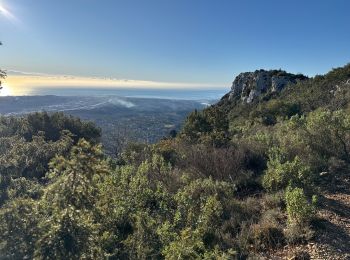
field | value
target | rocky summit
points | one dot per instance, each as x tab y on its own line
248	86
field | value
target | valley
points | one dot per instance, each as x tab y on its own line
144	120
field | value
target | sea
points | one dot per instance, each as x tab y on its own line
174	94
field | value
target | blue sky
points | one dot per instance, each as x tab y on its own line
194	41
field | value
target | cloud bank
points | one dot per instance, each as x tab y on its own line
32	80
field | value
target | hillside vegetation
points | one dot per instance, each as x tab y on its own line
240	181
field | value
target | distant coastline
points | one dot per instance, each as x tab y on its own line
178	94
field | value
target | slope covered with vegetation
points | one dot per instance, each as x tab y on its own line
240	180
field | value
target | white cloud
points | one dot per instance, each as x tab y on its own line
34	79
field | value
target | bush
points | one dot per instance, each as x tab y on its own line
269	112
53	124
261	230
18	229
232	164
209	126
187	246
300	211
273	201
281	172
295	233
265	236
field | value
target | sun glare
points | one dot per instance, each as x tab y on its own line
5	91
3	10
6	13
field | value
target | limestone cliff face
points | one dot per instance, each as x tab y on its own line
248	86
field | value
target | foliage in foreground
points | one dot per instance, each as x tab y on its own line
223	189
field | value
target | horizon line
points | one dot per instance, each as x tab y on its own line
16	78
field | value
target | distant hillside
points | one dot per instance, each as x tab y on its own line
268	96
295	91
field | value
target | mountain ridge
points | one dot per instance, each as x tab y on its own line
249	86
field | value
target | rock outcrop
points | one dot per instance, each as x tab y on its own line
249	86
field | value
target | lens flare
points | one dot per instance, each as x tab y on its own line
4	11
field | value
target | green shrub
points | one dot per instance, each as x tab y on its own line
299	209
209	126
281	172
18	229
187	246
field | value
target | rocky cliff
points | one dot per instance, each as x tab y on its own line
249	86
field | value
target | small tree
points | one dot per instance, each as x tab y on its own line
300	210
70	228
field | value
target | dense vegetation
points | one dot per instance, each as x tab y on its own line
238	179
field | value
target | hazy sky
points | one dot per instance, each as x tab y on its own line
190	41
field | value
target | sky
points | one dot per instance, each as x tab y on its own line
167	43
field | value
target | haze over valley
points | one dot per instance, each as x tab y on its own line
150	116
